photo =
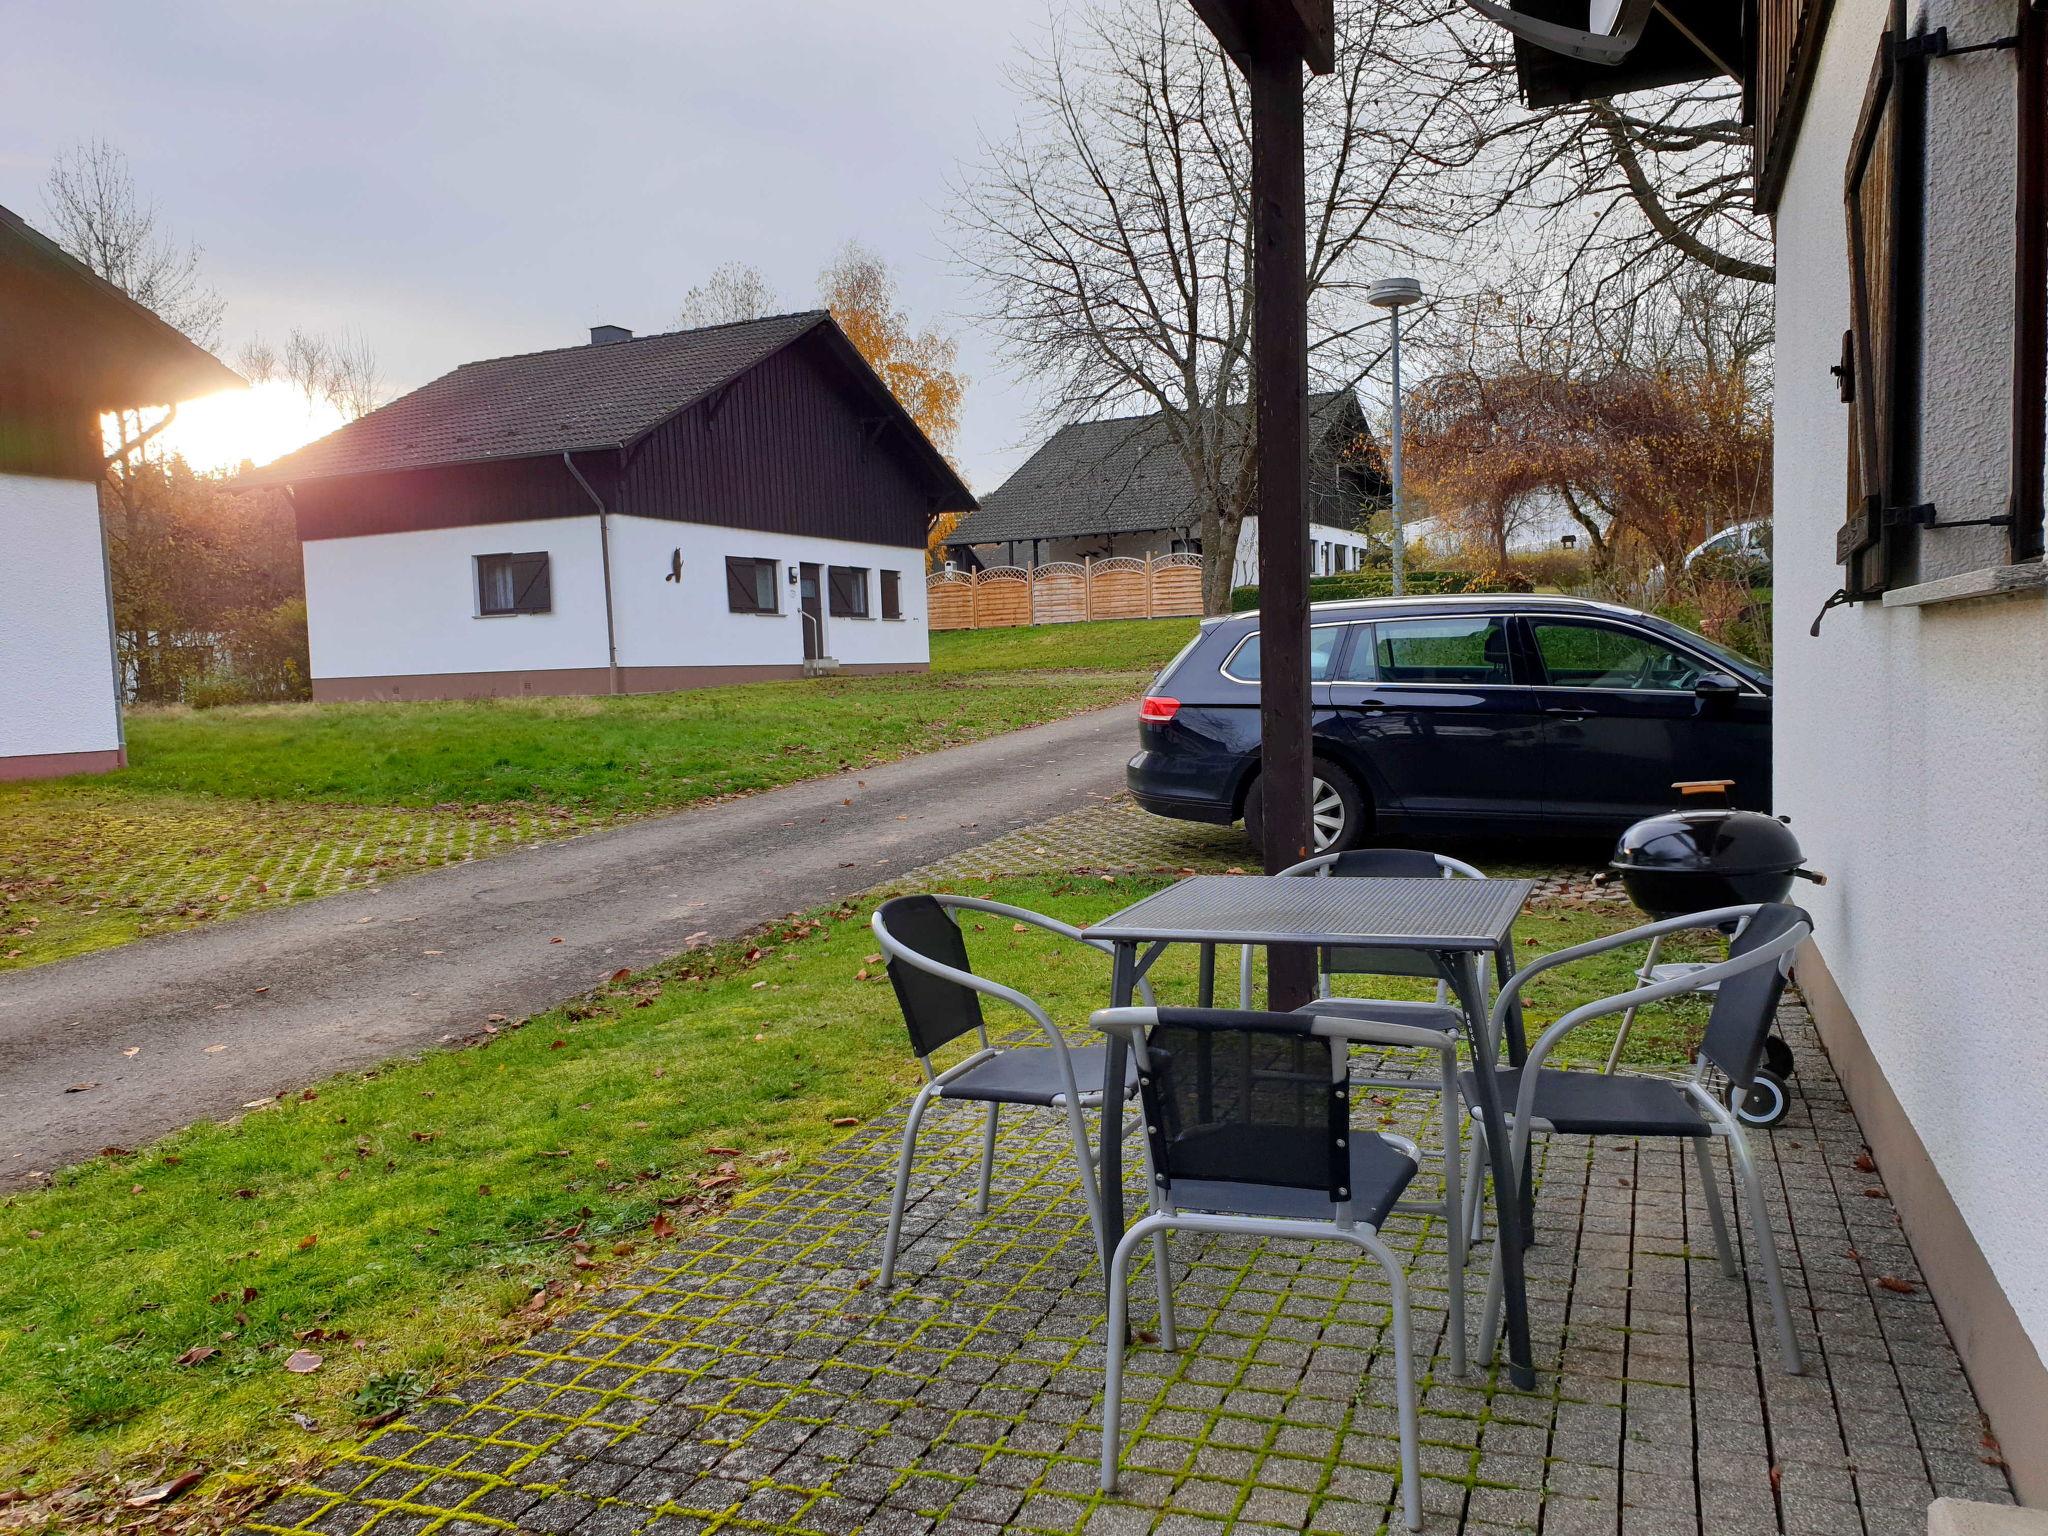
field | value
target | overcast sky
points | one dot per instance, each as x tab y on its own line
458	180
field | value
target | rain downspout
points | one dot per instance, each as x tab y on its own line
604	548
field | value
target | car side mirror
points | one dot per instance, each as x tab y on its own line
1716	685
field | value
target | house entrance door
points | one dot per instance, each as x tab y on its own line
813	612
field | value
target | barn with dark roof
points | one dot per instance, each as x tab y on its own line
728	504
1120	487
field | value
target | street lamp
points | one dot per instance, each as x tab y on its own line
1390	293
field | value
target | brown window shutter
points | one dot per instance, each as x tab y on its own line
739	585
1882	192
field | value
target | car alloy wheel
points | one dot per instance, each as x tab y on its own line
1326	814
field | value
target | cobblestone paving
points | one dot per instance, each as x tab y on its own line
1118	838
117	866
751	1378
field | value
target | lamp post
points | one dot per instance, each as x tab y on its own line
1390	293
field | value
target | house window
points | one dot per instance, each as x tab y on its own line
512	584
750	585
849	591
892	594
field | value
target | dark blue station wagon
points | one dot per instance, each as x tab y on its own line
1464	716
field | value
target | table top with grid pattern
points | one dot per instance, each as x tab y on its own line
1294	909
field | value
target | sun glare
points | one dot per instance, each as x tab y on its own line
260	423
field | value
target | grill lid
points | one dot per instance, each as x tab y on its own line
1708	841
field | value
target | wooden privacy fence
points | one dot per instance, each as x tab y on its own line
1063	592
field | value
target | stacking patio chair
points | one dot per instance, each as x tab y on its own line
1442	1015
1248	1128
941	1001
1746	988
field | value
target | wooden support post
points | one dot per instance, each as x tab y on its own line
1088	585
1279	395
1148	583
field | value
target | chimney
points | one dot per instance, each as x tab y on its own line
600	334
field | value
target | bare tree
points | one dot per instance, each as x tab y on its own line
96	215
733	291
1110	234
341	370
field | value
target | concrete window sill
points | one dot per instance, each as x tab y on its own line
1992	581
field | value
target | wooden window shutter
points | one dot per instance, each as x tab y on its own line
1882	193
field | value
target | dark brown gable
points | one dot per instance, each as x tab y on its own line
795	445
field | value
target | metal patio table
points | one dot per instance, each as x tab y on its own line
1459	922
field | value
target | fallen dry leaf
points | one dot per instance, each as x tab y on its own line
133	1050
846	1120
163	1492
662	1226
721	1151
196	1354
81	1087
621	974
212	1048
1894	1283
302	1362
1865	1163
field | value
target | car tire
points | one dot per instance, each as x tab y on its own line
1337	805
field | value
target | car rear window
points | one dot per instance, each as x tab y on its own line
1323	642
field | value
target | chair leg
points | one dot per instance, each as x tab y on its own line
1113	1372
1084	1160
1490	1310
1404	1383
1475	1187
901	1195
1703	1158
1767	1246
988	1159
1162	1270
1454	1213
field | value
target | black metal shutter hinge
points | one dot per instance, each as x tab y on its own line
1922	516
1935	45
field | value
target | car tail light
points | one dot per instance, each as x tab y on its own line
1157	710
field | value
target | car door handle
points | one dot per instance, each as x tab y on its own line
1562	713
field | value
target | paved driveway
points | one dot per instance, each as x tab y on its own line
124	1045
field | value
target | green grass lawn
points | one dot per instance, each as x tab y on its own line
230	810
399	1223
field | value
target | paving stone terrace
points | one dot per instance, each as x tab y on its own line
753	1378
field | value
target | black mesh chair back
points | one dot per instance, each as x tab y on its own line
1244	1098
935	1010
1744	1005
1385	864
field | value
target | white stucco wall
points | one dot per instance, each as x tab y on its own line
663	623
56	648
1912	742
404	604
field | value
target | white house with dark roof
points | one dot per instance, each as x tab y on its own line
72	347
730	504
1097	489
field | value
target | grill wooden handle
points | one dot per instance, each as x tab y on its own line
1704	786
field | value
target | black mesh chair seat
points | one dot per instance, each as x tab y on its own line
1443	1017
1595	1104
1380	1172
1031	1075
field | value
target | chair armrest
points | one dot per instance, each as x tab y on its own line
1511	990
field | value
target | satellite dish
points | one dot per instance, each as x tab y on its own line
1610	45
